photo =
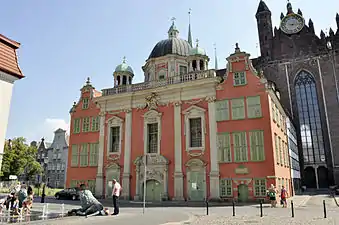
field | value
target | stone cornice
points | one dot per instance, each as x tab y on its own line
7	77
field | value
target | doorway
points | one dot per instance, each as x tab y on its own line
242	193
154	190
196	186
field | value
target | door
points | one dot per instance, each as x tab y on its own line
196	186
242	193
153	190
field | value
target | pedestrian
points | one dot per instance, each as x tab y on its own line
271	192
116	193
283	197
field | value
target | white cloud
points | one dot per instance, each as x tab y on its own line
47	129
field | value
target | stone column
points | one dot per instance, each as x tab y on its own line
165	179
178	176
137	183
127	157
99	182
214	173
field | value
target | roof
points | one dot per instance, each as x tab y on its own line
175	46
8	57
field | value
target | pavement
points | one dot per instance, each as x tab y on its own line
308	209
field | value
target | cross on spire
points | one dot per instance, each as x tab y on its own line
173	19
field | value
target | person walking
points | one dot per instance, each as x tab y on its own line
283	197
116	193
271	192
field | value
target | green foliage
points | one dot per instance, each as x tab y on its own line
20	159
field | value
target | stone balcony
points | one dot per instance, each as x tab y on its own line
189	77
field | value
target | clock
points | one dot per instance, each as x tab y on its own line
292	23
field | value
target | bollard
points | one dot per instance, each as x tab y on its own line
260	208
207	207
233	205
62	210
325	215
292	208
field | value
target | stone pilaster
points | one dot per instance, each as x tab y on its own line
214	174
178	175
99	182
127	157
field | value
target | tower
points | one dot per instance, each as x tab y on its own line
123	74
197	59
265	30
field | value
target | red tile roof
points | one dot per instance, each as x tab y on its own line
8	57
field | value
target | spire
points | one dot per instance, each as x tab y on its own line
311	26
173	31
289	7
331	32
215	57
300	13
322	34
237	49
337	19
189	28
262	8
88	82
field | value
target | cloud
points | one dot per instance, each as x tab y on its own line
47	128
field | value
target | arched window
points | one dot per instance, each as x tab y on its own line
309	118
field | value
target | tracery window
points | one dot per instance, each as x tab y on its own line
309	118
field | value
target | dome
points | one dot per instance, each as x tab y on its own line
123	67
197	51
175	46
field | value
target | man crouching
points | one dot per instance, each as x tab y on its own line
90	206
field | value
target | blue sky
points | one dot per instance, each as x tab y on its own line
63	42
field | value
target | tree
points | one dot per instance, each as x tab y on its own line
19	159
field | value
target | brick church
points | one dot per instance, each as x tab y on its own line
305	69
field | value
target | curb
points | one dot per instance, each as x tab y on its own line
190	220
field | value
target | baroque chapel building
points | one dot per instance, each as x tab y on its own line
187	132
305	69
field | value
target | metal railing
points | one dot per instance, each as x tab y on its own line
192	76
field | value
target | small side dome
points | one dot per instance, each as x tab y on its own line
123	67
197	50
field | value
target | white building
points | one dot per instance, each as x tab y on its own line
9	72
294	156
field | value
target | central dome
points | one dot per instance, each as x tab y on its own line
174	46
171	46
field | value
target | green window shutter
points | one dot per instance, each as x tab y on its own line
222	110
244	152
261	145
75	154
224	147
253	107
238	108
253	146
76	126
257	145
84	155
240	147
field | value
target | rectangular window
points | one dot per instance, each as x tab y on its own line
182	70
93	154
224	147
257	145
152	130
85	103
238	109
95	123
195	132
283	159
226	188
240	147
280	151
85	124
75	154
277	116
84	155
91	185
239	78
253	107
73	184
259	187
276	147
273	111
115	139
222	110
76	126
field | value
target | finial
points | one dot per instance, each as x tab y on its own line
88	82
74	104
300	13
197	42
282	16
215	56
289	7
173	19
124	59
237	49
189	15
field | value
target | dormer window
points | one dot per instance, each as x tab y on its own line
162	75
85	103
239	78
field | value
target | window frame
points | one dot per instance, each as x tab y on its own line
93	154
228	185
85	103
150	117
243	106
75	148
225	148
222	114
114	121
240	147
253	107
262	192
255	150
86	123
95	125
192	113
240	73
76	125
83	155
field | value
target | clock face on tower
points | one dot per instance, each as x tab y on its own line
292	23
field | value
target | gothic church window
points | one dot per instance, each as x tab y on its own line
309	118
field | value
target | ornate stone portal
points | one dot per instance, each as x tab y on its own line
156	169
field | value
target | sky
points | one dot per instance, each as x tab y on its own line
63	42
